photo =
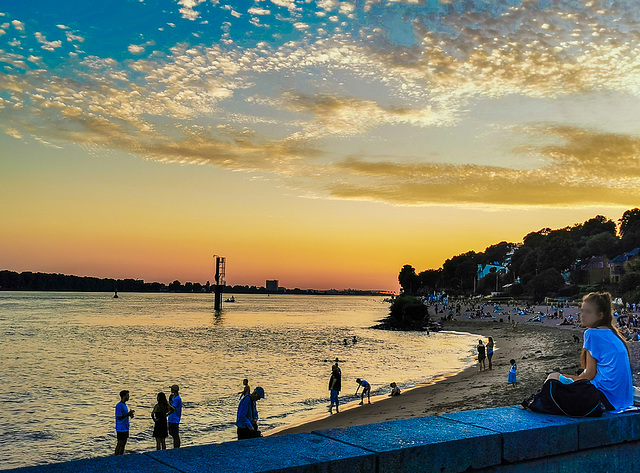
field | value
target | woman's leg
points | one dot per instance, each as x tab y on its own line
158	443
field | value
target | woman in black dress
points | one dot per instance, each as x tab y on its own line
481	355
159	415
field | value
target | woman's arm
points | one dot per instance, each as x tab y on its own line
589	372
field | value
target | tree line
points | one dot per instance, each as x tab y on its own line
537	265
30	281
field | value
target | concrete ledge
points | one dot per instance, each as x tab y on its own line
295	453
504	439
525	434
130	463
613	458
424	444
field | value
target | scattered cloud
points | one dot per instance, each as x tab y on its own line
178	105
47	45
187	9
259	11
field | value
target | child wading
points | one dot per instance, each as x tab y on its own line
366	390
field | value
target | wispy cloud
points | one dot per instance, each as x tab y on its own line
180	104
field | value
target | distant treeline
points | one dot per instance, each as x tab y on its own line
29	281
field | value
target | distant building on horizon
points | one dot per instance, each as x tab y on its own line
272	285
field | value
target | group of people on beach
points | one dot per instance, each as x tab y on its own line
605	362
485	352
166	415
605	359
335	385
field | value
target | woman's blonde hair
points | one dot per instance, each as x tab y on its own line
603	304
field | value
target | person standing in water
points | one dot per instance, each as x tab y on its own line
159	416
122	421
335	384
246	390
366	390
246	424
174	418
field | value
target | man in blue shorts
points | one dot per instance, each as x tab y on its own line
122	421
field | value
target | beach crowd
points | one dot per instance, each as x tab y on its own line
605	373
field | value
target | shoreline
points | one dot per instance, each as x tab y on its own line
543	345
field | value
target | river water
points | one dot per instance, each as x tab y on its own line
65	357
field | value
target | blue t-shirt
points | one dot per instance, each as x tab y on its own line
175	416
122	425
247	412
365	385
613	375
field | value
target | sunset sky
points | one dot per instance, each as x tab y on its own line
319	142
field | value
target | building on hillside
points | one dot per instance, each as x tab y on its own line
595	270
484	269
617	264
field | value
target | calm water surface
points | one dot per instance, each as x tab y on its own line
65	357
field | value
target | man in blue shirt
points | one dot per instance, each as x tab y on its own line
122	421
174	418
246	421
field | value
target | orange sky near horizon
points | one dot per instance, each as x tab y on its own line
321	143
82	216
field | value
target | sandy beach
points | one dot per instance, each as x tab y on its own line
537	347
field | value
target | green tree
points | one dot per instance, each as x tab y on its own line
429	279
557	251
407	313
545	283
603	243
630	219
408	279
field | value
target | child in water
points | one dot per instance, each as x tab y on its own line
366	390
247	390
511	379
395	390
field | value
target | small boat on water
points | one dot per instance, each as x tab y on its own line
230	299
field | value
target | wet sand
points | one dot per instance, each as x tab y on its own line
538	348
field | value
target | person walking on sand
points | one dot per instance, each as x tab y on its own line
174	418
481	355
335	384
122	421
490	351
366	389
159	415
511	379
247	426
